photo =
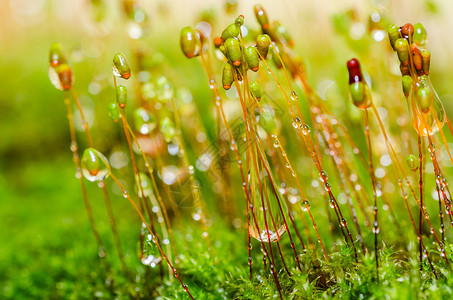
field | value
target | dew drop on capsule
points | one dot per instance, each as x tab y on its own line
294	96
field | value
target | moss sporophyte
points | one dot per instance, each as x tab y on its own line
314	187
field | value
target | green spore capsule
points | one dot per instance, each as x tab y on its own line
255	90
168	129
233	48
276	56
65	77
261	17
407	85
144	121
114	111
263	42
426	60
412	162
283	32
95	166
252	58
268	120
227	76
394	34
121	67
56	57
401	46
425	98
419	34
121	95
239	21
359	94
231	31
189	41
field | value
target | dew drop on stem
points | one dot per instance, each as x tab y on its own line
294	96
306	129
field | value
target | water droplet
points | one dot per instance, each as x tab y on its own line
306	205
296	122
331	203
73	146
149	252
323	176
95	166
306	129
294	96
425	108
191	171
276	143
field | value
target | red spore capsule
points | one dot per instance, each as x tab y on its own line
407	30
355	73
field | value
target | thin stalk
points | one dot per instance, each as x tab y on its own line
420	186
142	218
86	201
373	182
103	187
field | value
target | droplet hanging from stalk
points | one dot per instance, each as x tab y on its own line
95	166
425	108
149	253
269	215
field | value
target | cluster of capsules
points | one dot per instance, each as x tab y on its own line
425	107
239	58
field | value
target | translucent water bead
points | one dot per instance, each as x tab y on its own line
425	108
95	166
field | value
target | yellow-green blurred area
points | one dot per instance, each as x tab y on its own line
47	250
